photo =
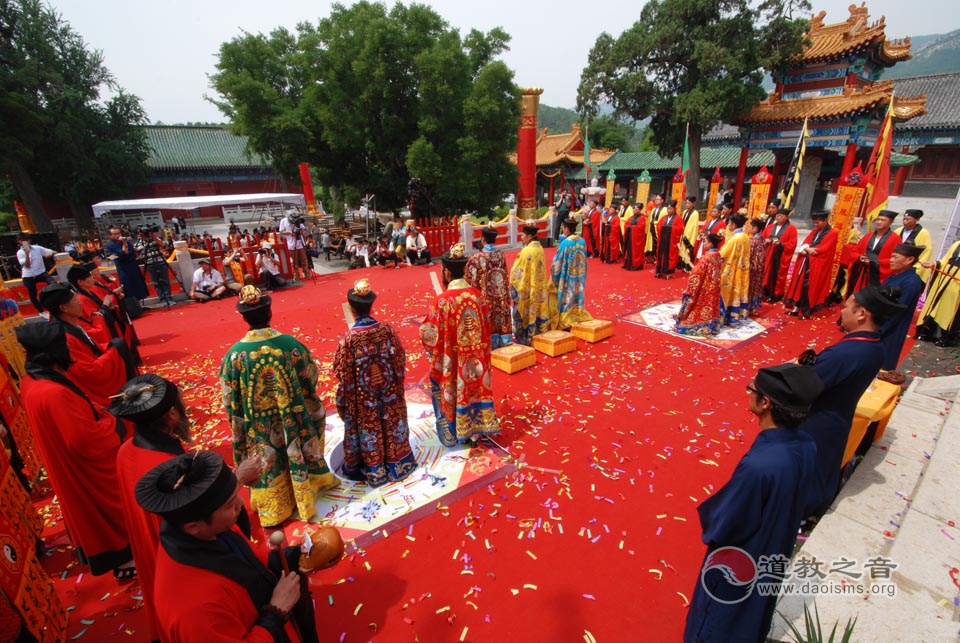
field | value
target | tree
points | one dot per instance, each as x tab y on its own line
691	62
372	98
611	133
57	138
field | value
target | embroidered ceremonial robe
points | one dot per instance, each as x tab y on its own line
669	238
99	373
214	591
876	248
610	240
653	219
569	273
759	511
456	337
700	309
919	236
939	314
810	283
634	241
894	331
735	277
269	384
778	258
533	295
487	272
79	444
370	365
846	369
757	259
691	230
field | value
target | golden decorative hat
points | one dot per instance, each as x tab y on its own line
361	293
251	299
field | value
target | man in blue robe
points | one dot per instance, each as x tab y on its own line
124	254
755	516
903	275
569	273
846	369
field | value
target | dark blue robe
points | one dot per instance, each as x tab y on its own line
759	510
127	269
894	331
846	370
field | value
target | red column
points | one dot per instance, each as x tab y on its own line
849	159
527	154
741	175
899	179
308	189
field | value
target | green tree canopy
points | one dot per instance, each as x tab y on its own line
58	138
691	62
372	98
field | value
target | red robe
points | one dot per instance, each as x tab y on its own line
200	605
715	226
79	446
610	243
97	327
634	240
98	373
668	248
877	270
591	233
810	283
134	459
777	262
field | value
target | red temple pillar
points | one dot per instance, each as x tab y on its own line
308	189
903	172
552	199
527	153
741	175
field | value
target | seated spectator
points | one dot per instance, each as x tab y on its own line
233	265
386	252
268	268
339	246
417	252
207	283
360	254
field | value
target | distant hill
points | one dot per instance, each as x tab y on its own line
932	54
556	119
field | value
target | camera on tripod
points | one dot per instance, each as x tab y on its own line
147	229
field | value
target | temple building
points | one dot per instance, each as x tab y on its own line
559	159
835	85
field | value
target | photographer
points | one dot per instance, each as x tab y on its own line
148	247
121	250
32	268
269	270
233	276
293	229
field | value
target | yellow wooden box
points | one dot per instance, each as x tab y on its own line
513	358
593	331
555	342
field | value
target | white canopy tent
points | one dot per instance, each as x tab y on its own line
193	202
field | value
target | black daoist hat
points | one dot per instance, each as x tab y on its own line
489	234
76	273
40	338
361	293
54	296
251	299
187	488
454	257
144	398
881	301
909	250
819	216
789	386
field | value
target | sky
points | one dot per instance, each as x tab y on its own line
164	51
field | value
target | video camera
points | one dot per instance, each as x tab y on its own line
147	229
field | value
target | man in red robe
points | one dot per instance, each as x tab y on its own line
808	288
635	239
780	240
79	446
98	370
591	229
669	237
103	311
212	583
872	264
161	429
653	219
610	237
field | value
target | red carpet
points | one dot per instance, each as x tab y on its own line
595	537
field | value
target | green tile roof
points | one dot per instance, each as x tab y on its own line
710	157
178	147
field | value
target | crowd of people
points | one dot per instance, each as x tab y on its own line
140	499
